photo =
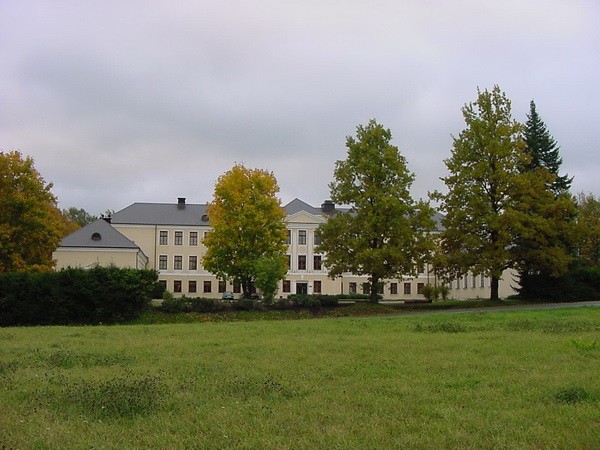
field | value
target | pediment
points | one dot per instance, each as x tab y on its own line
304	217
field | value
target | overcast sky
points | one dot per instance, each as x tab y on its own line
146	101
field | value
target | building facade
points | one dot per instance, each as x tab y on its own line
168	238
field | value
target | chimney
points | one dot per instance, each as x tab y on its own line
328	207
181	203
107	219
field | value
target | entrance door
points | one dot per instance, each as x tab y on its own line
301	288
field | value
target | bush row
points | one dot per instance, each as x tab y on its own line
75	296
203	305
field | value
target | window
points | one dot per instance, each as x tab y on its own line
287	286
207	287
164	238
317	239
301	262
162	262
420	288
482	281
316	287
407	289
177	286
366	288
466	281
193	238
192	286
352	288
164	284
301	237
394	288
193	263
178	262
179	238
237	289
289	261
288	237
474	281
458	283
380	288
222	286
206	234
317	262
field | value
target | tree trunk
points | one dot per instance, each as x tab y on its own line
494	289
373	295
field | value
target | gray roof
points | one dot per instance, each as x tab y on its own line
195	214
298	205
98	234
162	214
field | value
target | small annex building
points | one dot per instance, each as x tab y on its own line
98	243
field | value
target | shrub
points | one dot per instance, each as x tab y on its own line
204	305
304	301
430	292
357	296
328	301
246	304
176	305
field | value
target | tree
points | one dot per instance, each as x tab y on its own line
31	225
588	220
80	216
384	234
248	228
493	205
268	270
543	150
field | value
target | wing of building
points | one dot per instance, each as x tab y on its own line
168	237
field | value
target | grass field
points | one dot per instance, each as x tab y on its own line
482	380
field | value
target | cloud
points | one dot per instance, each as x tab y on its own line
120	102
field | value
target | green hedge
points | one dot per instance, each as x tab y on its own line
75	296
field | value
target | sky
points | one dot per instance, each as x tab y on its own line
146	101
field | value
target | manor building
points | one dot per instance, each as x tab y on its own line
168	238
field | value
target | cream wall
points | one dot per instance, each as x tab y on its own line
74	257
147	237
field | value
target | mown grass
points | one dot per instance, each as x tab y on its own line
513	379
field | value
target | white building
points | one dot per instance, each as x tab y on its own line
168	238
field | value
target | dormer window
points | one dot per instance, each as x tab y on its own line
96	236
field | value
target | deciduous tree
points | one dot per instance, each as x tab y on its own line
493	205
31	225
588	219
384	234
248	228
79	215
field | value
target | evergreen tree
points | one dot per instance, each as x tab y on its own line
543	150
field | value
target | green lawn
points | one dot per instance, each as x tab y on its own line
510	379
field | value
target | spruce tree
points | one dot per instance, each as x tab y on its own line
544	151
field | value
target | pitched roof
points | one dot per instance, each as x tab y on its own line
298	205
98	234
195	214
162	214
